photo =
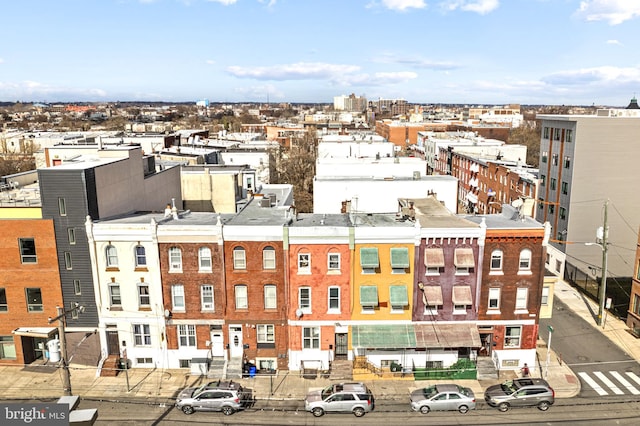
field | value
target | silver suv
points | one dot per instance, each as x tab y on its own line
223	395
525	392
353	398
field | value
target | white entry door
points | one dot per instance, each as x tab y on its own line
217	343
235	341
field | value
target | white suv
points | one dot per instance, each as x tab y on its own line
353	398
226	396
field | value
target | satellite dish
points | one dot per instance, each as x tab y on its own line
299	313
167	313
517	203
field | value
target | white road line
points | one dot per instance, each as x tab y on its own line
633	377
608	382
596	387
625	383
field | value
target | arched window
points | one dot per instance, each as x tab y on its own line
496	260
112	256
239	258
141	256
269	258
525	260
204	258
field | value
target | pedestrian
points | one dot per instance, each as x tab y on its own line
525	370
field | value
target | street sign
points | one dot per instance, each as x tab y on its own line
550	329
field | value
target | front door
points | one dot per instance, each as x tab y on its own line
113	346
235	341
217	343
342	349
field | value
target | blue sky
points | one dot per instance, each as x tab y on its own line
561	52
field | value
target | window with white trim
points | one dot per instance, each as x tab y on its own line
512	337
239	258
141	256
525	261
177	297
311	337
266	333
141	335
270	297
241	297
304	299
34	299
268	258
62	207
206	297
115	299
187	335
71	233
522	294
494	298
112	256
144	298
333	262
496	261
175	259
204	259
334	300
304	263
544	301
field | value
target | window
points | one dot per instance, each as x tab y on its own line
187	335
463	260
73	309
144	360
369	260
62	207
334	300
27	250
558	266
266	333
76	287
141	257
494	298
496	260
636	304
71	233
304	263
3	300
544	301
204	259
177	297
7	348
270	299
434	260
525	260
563	213
546	133
206	297
521	298
556	134
638	271
512	337
544	156
239	258
555	159
144	299
432	299
552	209
368	298
175	259
543	180
568	136
311	337
399	260
565	188
304	299
333	261
112	256
269	258
34	300
114	295
241	297
567	162
141	335
553	184
398	298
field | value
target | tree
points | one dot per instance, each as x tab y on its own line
527	134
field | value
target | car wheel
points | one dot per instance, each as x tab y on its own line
503	406
187	409
544	406
358	411
463	409
424	409
227	411
318	412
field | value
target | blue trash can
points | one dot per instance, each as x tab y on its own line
252	372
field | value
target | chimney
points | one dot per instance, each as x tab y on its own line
174	210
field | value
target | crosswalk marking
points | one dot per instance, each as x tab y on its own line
596	387
633	377
625	383
608	382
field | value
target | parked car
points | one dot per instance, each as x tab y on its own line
443	397
222	395
352	397
523	392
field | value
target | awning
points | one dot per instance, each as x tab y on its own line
437	335
369	295
432	295
369	257
384	336
434	258
41	332
398	295
464	258
399	257
461	295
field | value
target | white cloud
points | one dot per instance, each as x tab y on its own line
613	11
297	71
1	60
614	42
415	62
32	90
224	2
210	62
376	79
260	92
596	75
478	6
403	5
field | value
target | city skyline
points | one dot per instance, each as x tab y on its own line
425	51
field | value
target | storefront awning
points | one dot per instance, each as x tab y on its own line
436	335
399	257
369	257
461	295
398	295
434	258
384	336
41	332
369	295
432	295
464	258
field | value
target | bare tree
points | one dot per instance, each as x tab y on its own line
528	134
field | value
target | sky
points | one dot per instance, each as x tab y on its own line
475	52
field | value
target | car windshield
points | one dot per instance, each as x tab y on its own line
429	392
509	386
464	391
197	391
326	392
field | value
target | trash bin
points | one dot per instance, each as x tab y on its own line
54	350
252	371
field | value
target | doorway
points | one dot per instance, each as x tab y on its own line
113	345
217	341
342	345
235	341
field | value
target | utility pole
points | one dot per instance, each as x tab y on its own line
603	285
62	324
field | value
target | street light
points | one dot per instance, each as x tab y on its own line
601	235
62	323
